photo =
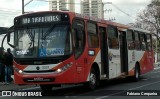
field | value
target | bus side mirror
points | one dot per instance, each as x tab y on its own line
8	37
10	30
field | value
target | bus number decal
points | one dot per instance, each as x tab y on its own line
22	52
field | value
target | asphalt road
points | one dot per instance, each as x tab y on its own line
148	87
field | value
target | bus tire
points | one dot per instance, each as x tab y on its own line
46	88
93	80
136	76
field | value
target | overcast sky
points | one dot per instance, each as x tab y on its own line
123	11
11	8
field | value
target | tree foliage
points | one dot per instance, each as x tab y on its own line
149	18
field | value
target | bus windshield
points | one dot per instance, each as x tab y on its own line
42	42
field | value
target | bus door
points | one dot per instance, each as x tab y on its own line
113	52
123	52
78	33
104	52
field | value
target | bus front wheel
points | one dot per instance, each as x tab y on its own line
93	80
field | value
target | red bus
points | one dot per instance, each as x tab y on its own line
60	47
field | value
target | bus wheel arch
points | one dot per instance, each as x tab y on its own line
94	77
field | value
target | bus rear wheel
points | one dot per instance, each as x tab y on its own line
46	88
136	76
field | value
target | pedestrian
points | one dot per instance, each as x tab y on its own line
8	66
2	65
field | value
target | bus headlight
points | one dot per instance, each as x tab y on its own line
20	71
64	68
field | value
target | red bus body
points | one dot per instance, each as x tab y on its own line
77	70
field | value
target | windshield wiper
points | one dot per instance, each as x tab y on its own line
48	31
31	37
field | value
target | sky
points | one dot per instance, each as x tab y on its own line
11	8
122	11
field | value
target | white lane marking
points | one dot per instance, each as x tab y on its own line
32	88
127	90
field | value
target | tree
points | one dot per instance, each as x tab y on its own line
149	19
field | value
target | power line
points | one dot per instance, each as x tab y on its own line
122	11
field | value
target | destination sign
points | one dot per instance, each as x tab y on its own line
41	19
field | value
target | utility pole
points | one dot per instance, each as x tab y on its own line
107	10
22	6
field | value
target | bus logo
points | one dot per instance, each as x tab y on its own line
38	68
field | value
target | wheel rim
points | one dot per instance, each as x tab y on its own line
92	79
137	74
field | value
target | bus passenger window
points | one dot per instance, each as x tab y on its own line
130	40
143	41
113	38
78	35
137	41
92	35
149	42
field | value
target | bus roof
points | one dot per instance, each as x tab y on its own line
140	30
82	16
119	25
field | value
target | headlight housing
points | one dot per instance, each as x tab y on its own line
19	71
64	68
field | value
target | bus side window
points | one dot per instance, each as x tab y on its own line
143	41
93	41
78	36
130	40
113	37
137	41
149	42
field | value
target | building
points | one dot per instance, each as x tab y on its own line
92	8
71	5
62	5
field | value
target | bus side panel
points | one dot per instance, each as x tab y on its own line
89	62
146	62
131	59
114	63
145	59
